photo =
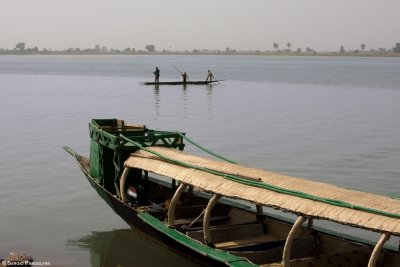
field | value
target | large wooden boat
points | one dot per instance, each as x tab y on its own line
182	83
218	212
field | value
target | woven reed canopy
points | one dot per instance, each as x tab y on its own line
209	182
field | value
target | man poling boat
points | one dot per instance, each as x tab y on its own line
156	76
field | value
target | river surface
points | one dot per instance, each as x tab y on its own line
329	119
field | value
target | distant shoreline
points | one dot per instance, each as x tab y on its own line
21	49
239	53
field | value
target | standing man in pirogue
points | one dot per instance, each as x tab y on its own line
156	75
184	76
210	76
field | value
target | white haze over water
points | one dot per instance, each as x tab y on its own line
187	24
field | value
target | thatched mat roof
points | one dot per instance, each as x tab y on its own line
220	185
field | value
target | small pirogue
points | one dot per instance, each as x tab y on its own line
182	83
190	204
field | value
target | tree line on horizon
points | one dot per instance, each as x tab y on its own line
21	49
342	50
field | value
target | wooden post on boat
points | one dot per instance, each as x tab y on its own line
310	222
172	205
289	241
207	215
260	213
377	249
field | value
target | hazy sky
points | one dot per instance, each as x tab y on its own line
201	24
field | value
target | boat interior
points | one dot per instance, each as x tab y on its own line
246	232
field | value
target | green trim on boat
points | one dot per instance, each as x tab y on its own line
205	149
216	254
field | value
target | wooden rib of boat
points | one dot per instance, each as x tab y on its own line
188	203
181	83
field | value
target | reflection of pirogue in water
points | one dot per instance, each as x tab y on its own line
125	247
113	248
228	233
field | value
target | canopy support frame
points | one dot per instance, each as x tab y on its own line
377	249
122	191
290	239
207	215
172	205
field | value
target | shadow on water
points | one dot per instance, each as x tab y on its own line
126	247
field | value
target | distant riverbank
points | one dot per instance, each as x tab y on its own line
21	49
355	53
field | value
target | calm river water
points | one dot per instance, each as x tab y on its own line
329	119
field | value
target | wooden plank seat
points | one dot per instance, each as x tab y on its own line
213	219
230	233
246	241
